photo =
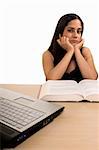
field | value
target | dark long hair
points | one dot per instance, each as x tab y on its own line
54	47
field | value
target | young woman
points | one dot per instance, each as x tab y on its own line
66	58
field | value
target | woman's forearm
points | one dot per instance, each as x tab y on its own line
58	71
86	70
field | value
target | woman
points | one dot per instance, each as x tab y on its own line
66	58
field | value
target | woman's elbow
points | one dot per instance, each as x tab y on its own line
95	76
52	77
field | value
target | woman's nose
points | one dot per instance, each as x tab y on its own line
75	34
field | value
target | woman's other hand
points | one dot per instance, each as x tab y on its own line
79	45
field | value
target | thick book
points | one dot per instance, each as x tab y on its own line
70	90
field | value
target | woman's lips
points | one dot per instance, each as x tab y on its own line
74	41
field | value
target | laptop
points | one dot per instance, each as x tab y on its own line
21	116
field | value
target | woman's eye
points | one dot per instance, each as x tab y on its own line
79	31
70	31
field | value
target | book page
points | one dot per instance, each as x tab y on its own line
61	90
90	89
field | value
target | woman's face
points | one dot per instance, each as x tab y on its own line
73	31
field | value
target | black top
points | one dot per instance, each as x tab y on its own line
73	75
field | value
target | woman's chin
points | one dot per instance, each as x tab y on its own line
74	44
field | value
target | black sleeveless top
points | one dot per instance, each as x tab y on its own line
73	75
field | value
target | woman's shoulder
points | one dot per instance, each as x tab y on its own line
86	52
47	54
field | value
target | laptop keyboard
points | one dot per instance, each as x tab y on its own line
17	115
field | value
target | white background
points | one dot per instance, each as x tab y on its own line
26	30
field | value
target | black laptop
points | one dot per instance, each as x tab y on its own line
21	116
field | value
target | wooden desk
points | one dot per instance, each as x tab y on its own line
77	128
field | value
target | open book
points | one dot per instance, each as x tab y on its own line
70	90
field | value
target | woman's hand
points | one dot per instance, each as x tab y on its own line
63	41
79	45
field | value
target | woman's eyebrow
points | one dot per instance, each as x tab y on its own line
74	28
70	27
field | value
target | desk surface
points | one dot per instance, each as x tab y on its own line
77	128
